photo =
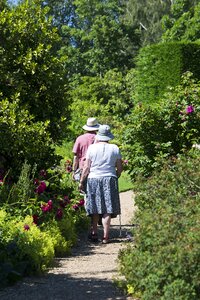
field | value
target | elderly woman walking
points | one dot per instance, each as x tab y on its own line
103	167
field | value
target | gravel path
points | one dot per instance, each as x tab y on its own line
87	274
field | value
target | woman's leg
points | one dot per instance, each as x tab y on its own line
106	225
95	219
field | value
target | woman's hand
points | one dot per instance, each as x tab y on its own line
80	186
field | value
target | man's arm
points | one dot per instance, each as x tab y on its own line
86	171
74	165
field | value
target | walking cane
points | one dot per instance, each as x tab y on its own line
120	226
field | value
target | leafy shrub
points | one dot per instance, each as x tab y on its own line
91	93
163	130
62	246
41	218
24	248
32	141
164	262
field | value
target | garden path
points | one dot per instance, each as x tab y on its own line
87	274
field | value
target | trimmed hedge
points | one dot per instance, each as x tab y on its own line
162	65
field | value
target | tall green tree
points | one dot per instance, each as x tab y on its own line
33	102
29	65
107	97
95	38
183	22
146	15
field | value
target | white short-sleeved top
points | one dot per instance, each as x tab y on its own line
103	157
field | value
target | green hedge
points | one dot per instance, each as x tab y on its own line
164	261
161	65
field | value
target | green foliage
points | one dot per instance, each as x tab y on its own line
22	138
24	249
23	189
96	39
146	16
182	24
42	217
34	106
162	131
30	66
164	261
162	65
106	98
62	245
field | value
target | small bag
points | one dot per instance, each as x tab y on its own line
77	174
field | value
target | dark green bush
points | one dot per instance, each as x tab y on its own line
22	138
164	262
162	65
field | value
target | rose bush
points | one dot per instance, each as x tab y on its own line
164	130
40	218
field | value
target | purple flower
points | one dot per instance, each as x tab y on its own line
66	199
35	219
43	173
81	202
26	227
41	188
189	109
50	204
63	202
47	207
75	206
36	181
69	169
44	208
125	162
59	213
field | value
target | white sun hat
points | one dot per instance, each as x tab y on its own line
91	125
104	134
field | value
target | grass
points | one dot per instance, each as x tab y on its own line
125	183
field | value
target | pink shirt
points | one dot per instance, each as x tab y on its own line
81	145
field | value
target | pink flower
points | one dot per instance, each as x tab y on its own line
50	204
66	199
43	173
36	181
75	206
59	213
81	202
41	188
47	207
125	162
189	109
69	169
35	219
63	202
44	208
26	227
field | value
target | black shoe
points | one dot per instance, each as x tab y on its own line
100	221
93	237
